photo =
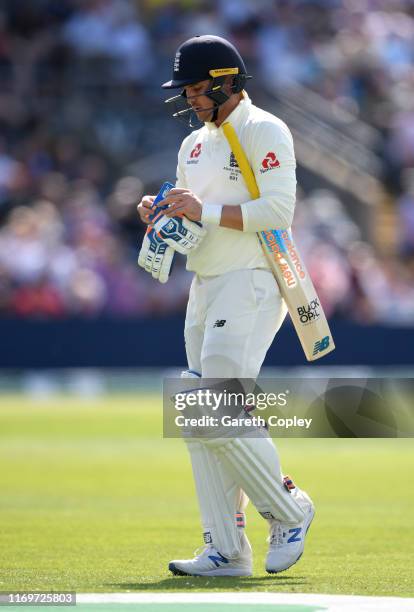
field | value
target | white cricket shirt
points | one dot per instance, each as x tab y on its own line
208	168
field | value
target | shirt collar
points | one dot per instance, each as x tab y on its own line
237	115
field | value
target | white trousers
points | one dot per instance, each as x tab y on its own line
231	322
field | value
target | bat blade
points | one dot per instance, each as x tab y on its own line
299	293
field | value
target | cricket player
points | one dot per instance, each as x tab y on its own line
235	308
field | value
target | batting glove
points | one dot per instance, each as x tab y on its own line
155	256
179	233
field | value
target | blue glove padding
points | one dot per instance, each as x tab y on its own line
155	256
179	233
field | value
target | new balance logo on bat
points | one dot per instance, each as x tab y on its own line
321	345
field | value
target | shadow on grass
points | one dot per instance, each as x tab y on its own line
225	583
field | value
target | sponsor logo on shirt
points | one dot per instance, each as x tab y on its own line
232	168
269	162
233	161
195	154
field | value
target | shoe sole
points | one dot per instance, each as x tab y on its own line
179	572
269	571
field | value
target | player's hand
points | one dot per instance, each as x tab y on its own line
144	208
179	233
182	202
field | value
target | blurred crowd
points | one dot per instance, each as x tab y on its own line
81	107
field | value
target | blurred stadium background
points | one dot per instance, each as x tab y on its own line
84	133
93	498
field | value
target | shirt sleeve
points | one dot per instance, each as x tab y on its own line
272	158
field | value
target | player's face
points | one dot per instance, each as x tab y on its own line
198	101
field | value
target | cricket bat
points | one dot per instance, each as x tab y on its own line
298	291
291	275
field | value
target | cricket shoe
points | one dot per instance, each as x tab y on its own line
287	542
210	562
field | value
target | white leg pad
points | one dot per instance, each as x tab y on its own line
254	465
220	499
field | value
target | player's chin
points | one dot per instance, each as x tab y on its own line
204	115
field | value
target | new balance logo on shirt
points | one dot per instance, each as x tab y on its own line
220	323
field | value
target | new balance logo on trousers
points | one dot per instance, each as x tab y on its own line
220	323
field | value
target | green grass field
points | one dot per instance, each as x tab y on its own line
93	499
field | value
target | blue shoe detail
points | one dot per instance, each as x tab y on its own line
217	559
294	538
300	555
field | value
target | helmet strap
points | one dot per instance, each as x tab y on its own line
216	93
